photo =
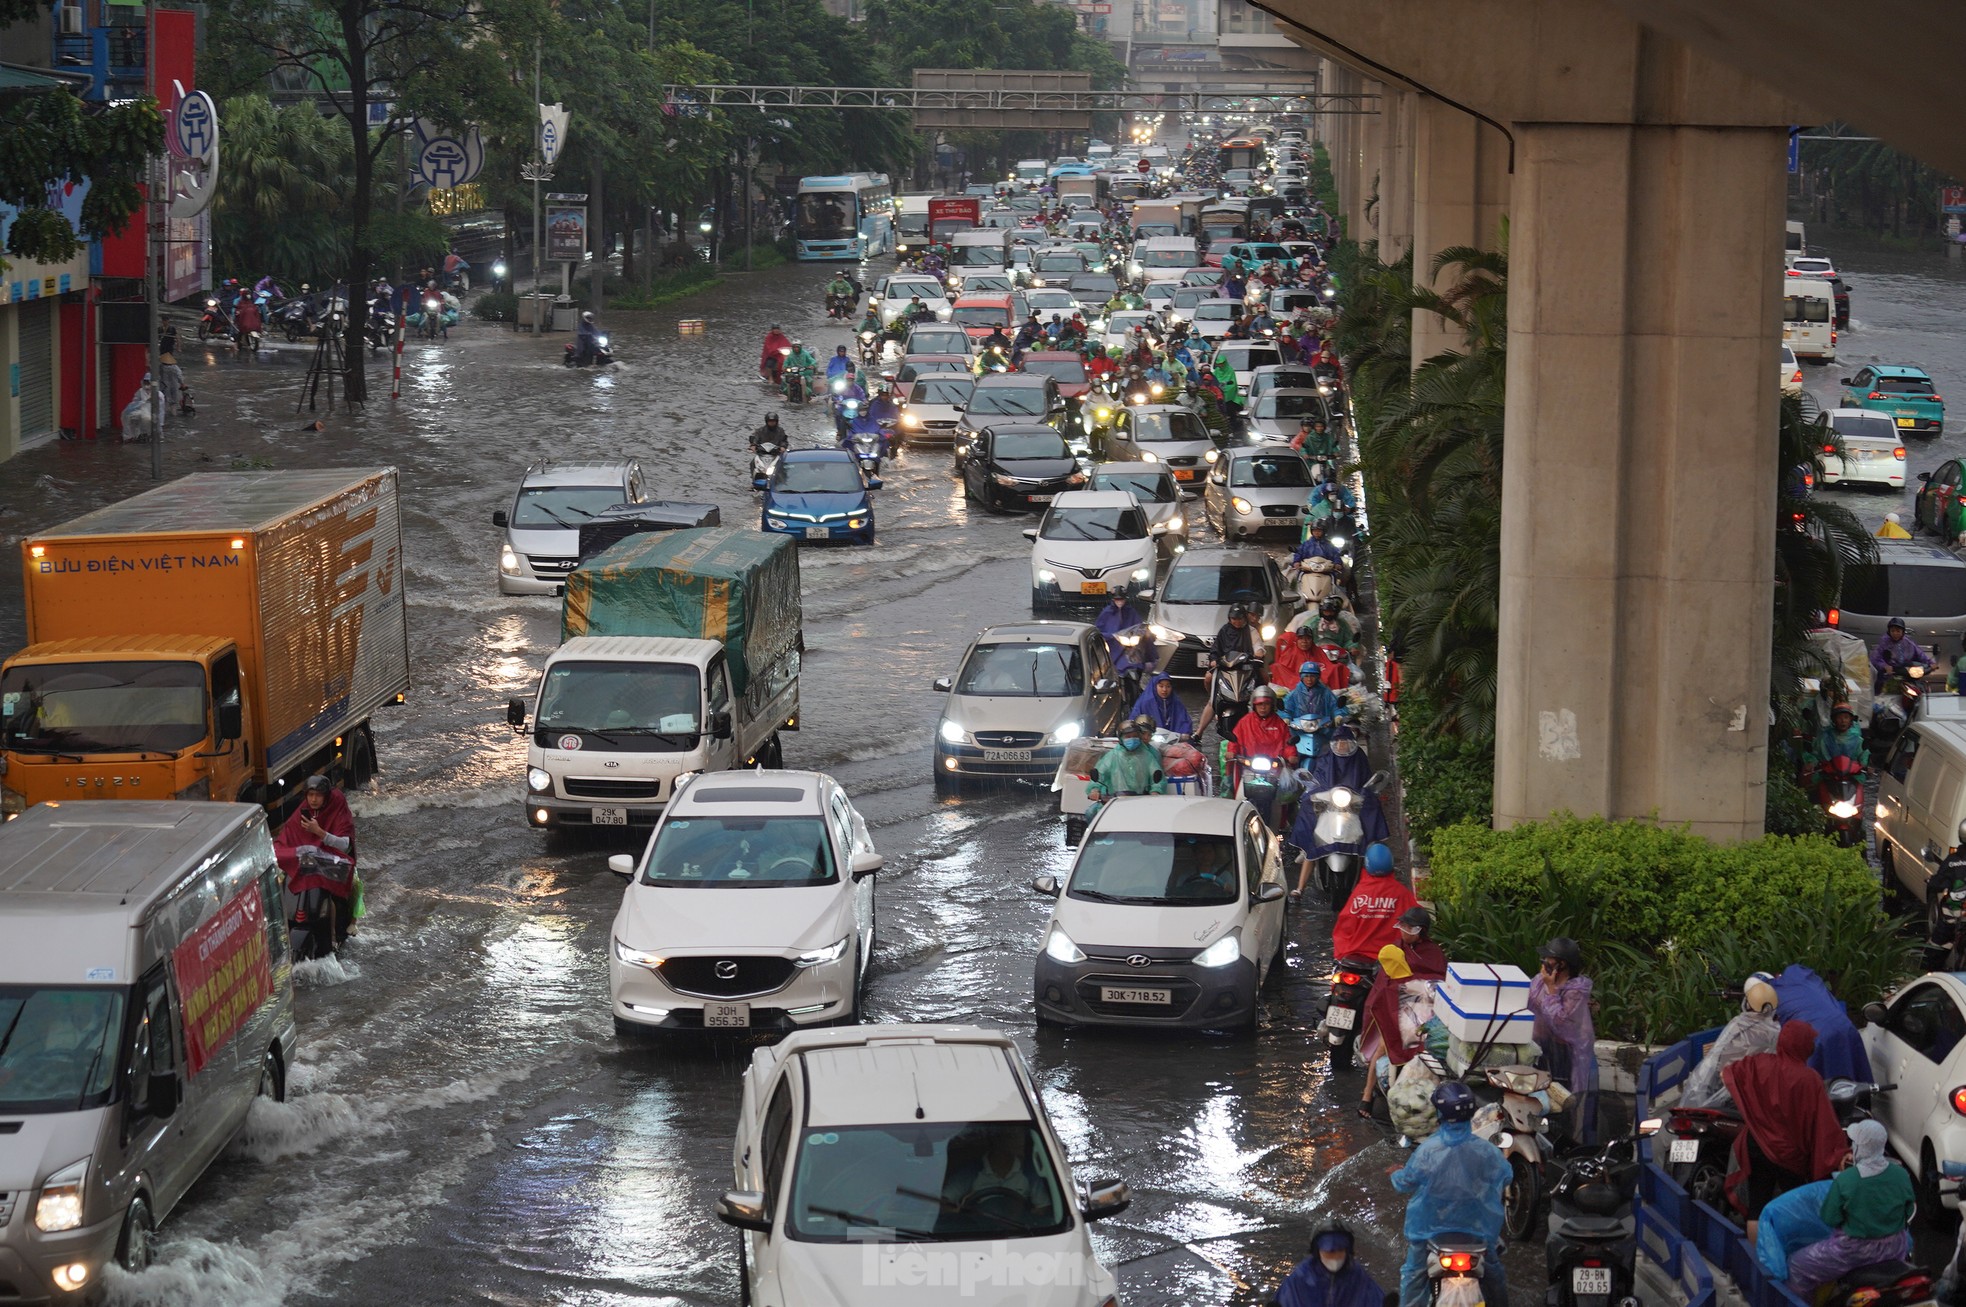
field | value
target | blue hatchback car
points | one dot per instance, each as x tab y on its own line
820	494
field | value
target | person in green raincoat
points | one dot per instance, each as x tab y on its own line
1225	377
1132	768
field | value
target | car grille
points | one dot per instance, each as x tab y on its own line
1185	993
577	788
1181	462
1279	510
553	566
1009	739
748	975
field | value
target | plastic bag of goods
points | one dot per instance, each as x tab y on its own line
1410	1101
1461	1055
1181	759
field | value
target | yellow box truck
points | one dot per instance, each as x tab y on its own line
220	637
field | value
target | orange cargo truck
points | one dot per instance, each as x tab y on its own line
219	637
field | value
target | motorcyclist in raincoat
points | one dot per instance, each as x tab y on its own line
1896	652
1312	700
1841	737
1118	615
1561	999
1131	768
772	356
1316	544
1162	707
1755	1030
1456	1182
1370	918
1331	1275
1344	764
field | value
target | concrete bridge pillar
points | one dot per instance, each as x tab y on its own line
1371	158
1397	111
1638	523
1460	194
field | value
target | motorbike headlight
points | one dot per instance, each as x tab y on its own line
1339	542
60	1205
601	341
1269	631
867	336
539	779
1221	953
635	957
1067	733
508	561
951	732
839	387
1262	765
1058	946
1104	414
1341	798
1175	523
819	957
1240	504
1843	809
498	269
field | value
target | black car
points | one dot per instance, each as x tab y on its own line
1021	467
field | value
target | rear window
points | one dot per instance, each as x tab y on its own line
1875	426
1805	308
1904	385
1906	590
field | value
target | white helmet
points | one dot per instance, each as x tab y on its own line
1758	993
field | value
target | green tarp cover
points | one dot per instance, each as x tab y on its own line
719	583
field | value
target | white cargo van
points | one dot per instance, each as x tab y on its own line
1921	799
146	998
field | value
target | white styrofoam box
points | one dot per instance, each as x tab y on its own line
1481	1025
1482	987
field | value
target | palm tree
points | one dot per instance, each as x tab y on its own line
279	203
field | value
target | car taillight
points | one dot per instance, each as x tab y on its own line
1877	394
1899	453
1832	336
1457	1261
1829	449
1958	1100
1797	378
1937	399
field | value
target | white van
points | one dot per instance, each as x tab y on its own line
1166	258
146	995
1793	244
980	249
910	223
1809	318
1921	799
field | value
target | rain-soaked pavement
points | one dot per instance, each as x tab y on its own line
464	1126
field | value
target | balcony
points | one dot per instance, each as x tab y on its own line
115	57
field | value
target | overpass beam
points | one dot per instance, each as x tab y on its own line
1638	516
1460	194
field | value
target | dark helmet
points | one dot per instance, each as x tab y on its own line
1564	949
318	782
1317	526
1454	1101
1843	709
1333	1236
1238	610
1417	917
1330	605
1895	624
771	419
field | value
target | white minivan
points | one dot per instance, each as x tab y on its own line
751	909
1809	318
146	1000
1921	800
1173	915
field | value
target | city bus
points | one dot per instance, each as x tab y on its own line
844	218
1242	152
1809	319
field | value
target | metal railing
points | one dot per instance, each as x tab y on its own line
1255	100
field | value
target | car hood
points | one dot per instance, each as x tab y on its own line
700	921
1115	927
45	1143
1158	513
1097	555
818	503
1035	469
984	712
1073	389
551	541
1274	428
935	412
1298	495
1200	620
870	1275
1165	450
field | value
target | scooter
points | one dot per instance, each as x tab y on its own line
1514	1118
1235	679
1340	835
1701	1149
1897	703
1454	1266
1851	1099
872	346
866	448
798	385
1256	781
839	306
215	321
295	319
764	462
1840	794
1592	1247
1351	981
1316	578
602	356
314	915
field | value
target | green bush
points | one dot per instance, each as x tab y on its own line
1791	808
1665	917
496	306
1447	778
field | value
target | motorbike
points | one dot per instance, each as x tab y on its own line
1454	1266
771	365
1235	679
313	919
1514	1117
1139	657
867	447
798	385
872	346
1701	1148
995	359
1592	1246
215	321
1851	1099
601	358
1340	834
1897	703
1256	780
764	462
1839	793
1945	950
839	306
380	330
248	343
1884	1284
1351	981
295	318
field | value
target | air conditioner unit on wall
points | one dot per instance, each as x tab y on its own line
71	20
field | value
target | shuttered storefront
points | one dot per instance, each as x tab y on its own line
36	324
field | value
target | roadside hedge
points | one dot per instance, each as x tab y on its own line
1445	778
1664	917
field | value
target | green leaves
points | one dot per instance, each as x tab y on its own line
48	139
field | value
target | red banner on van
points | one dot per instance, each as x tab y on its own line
223	974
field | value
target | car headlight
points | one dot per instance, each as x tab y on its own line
1240	504
1004	479
856	523
1175	523
1058	946
539	779
1067	733
508	560
819	957
1142	573
1077	478
60	1204
635	957
1212	455
1221	953
951	732
1046	575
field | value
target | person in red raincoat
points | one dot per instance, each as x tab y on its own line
1789	1134
1378	1033
322	823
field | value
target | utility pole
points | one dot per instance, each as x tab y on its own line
155	214
750	162
539	163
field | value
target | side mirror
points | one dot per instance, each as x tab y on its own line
719	726
163	1094
1845	381
622	865
1108	1197
1876	1014
1045	884
231	720
1924	476
874	483
1269	892
1145	592
500	519
1030	533
866	864
943	684
745	1209
515	714
1931	853
1104	685
1377	781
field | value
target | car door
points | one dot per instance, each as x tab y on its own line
976	465
156	1136
1858	386
1283	599
719	755
770	1161
1215	492
1105	707
1918	1051
1262	865
1122	447
850	839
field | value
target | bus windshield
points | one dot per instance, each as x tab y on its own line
826	215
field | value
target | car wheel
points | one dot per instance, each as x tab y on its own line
1931	1205
136	1245
272	1080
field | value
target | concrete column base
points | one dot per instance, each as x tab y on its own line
1637	527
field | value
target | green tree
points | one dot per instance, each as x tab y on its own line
279	207
54	137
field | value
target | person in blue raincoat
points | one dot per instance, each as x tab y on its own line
1331	1275
1159	704
1311	699
1839	1048
1456	1182
1120	615
1344	763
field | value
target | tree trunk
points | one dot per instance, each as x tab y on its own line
362	195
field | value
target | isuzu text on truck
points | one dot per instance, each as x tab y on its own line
220	637
681	656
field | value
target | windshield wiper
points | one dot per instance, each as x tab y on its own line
855	1218
945	1205
1098	896
9	1036
556	517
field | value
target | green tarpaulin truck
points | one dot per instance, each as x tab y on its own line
680	655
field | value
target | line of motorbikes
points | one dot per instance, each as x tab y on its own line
305	315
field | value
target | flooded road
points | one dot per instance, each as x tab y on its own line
464	1126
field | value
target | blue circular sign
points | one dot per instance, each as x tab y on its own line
194	125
